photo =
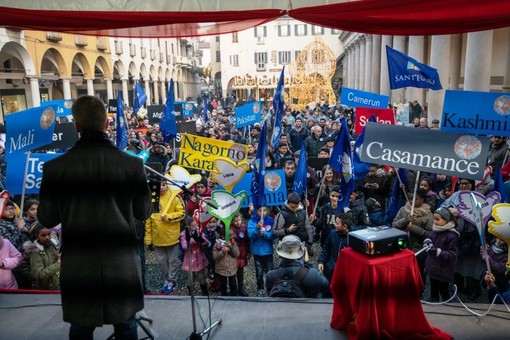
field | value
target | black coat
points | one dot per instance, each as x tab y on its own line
96	191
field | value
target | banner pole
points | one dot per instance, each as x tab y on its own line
400	181
319	194
22	203
414	191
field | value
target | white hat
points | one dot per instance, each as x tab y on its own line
290	247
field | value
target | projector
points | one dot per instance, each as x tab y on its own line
378	240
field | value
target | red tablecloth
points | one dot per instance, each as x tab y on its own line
379	297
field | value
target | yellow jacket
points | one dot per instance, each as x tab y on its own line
163	228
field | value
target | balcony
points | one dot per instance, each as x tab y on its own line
132	50
143	52
118	47
153	54
81	41
53	36
102	43
161	57
183	61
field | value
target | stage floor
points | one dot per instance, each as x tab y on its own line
39	316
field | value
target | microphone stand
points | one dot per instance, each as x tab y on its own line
194	335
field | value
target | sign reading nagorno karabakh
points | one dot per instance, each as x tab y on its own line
201	152
425	150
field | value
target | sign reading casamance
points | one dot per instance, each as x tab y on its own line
425	150
200	152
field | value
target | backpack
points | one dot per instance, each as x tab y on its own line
288	287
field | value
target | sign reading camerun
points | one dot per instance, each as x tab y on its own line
425	150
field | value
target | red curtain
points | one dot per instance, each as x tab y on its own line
392	17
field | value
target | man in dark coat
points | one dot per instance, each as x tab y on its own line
96	191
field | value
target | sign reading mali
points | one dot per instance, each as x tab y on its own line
426	150
201	152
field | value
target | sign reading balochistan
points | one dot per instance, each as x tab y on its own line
201	152
484	113
357	98
426	150
382	116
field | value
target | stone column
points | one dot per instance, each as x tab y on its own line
351	66
362	59
455	61
368	63
125	94
148	92
109	88
477	72
66	86
164	92
439	59
506	81
385	80
345	70
90	86
399	44
356	64
416	51
155	100
34	89
376	64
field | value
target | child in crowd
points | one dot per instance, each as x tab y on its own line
443	248
497	253
210	234
10	258
240	233
198	243
261	236
28	222
225	255
45	259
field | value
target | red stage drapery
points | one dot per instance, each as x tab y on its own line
392	17
379	297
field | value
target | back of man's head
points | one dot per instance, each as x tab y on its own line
89	114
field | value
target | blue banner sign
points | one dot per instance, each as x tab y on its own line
248	114
483	113
357	98
16	170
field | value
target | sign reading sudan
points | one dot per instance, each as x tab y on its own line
425	150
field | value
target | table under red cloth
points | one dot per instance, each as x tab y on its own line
379	297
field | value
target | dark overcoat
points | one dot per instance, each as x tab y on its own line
96	191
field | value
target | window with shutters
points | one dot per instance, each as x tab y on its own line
284	57
300	30
317	30
284	30
261	60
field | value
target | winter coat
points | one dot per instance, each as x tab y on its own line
313	283
198	257
335	242
240	234
440	265
296	138
325	221
192	206
225	263
286	218
313	145
45	268
96	191
261	245
380	191
421	226
10	231
11	258
164	233
359	213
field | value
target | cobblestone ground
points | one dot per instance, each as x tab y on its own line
154	279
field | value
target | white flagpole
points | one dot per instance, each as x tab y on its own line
24	184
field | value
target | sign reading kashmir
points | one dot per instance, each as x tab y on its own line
357	98
382	116
426	150
201	152
248	114
29	129
485	113
15	173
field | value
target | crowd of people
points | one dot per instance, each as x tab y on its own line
181	243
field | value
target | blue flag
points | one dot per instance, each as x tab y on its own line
168	125
301	173
341	162
206	110
122	136
257	180
360	168
396	201
404	71
278	104
499	186
139	99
